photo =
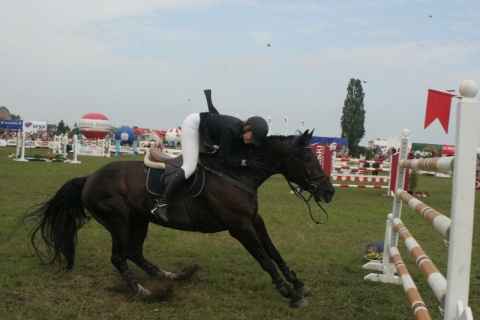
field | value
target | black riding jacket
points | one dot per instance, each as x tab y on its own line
222	131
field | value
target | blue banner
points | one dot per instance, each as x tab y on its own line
11	124
339	141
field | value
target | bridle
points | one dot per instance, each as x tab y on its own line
311	188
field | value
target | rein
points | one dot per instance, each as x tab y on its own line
300	195
311	188
233	181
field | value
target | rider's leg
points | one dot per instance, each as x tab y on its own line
177	181
190	150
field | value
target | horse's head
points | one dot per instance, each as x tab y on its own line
306	171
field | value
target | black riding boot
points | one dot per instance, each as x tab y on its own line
178	180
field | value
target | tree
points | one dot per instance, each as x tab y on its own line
75	130
353	117
61	126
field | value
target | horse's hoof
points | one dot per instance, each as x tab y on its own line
143	291
302	303
165	275
303	291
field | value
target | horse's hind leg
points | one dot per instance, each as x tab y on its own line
119	259
137	234
272	251
113	215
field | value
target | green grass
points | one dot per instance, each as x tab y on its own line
229	283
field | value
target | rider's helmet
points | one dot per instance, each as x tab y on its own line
259	128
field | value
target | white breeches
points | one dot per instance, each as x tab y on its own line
190	143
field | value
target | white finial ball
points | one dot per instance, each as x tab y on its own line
468	89
405	132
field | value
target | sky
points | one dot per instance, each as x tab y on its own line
146	63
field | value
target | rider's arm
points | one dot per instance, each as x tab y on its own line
227	141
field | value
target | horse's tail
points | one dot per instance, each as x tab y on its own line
58	221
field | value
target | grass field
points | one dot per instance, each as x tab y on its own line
229	283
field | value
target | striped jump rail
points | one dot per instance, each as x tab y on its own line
438	164
360	160
339	168
435	279
361	186
420	310
360	178
437	220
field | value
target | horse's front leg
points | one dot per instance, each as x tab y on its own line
248	238
273	253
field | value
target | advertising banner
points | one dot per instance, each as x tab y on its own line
448	150
34	126
11	124
324	155
426	150
99	148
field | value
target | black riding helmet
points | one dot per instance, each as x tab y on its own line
259	128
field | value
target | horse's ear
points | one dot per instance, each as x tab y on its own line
304	139
311	135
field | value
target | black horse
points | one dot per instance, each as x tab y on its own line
117	197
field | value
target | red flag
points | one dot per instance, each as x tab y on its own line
438	107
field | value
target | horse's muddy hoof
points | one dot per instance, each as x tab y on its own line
143	292
302	303
159	292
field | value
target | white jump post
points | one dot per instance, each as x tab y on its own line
18	146
458	229
387	265
75	150
463	200
21	141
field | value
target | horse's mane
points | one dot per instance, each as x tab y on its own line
278	137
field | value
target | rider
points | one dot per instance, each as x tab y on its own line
218	131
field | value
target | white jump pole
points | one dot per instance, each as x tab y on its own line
22	146
463	199
75	150
17	150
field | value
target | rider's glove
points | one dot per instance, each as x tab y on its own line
254	165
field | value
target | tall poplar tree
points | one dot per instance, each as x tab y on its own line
353	117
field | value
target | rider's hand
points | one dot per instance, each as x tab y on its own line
255	165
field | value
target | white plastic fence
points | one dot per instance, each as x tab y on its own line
452	291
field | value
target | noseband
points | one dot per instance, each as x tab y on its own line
311	188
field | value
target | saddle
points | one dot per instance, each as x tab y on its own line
162	166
